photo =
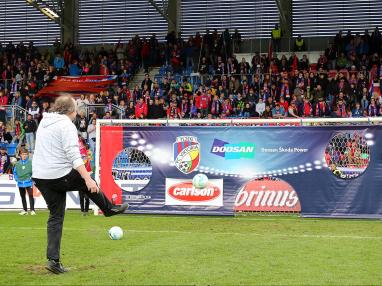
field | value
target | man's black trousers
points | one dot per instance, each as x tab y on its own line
54	193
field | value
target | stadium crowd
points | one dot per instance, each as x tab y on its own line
344	82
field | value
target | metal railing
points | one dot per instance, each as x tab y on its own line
246	122
286	44
101	109
13	112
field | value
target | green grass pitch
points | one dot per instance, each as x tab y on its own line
179	250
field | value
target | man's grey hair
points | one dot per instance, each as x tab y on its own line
64	104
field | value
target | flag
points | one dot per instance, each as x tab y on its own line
77	85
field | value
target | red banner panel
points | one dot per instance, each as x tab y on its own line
112	144
76	85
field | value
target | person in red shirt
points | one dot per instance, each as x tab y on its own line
127	91
307	110
205	100
141	109
283	103
197	102
3	103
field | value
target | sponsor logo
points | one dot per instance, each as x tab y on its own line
188	193
11	200
284	150
182	192
135	198
186	153
233	151
269	196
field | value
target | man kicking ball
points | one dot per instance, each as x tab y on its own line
57	168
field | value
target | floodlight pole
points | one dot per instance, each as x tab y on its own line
170	11
65	14
285	8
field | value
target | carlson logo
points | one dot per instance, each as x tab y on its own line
233	151
186	192
267	195
186	153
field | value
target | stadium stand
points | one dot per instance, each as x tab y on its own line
200	77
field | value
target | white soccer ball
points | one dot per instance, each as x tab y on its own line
200	181
115	233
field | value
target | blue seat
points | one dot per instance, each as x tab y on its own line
3	145
11	149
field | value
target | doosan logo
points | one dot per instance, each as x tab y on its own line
233	150
182	192
188	193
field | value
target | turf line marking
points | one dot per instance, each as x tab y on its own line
258	234
218	233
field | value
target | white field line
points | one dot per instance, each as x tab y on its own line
327	236
267	217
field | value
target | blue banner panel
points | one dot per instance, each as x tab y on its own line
323	171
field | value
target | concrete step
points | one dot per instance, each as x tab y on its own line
140	76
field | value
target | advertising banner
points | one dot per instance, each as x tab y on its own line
10	197
319	171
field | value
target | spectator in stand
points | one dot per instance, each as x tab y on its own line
5	163
357	111
3	103
304	63
292	110
260	107
34	111
22	173
141	109
44	108
2	132
321	108
307	109
278	112
92	135
173	112
276	38
147	82
17	99
107	115
267	112
299	44
18	135
59	63
373	109
82	103
75	69
83	125
30	128
236	37
130	111
205	100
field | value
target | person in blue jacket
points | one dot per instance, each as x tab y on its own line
22	173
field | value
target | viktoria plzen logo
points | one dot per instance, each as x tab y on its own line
186	153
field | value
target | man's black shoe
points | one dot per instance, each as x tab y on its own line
56	267
117	210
